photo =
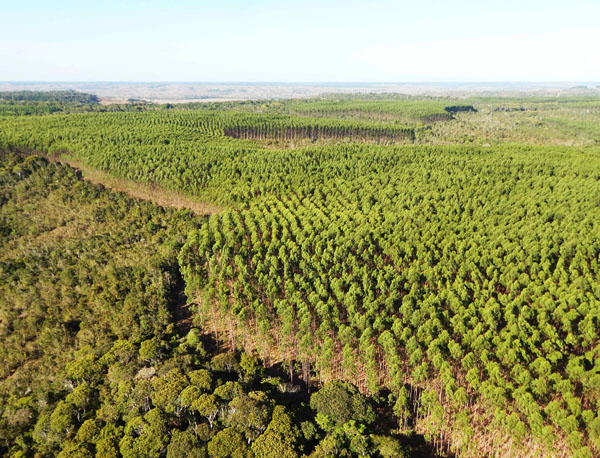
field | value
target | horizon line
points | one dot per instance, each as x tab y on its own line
297	82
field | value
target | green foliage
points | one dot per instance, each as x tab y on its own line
185	444
339	402
453	275
226	362
228	443
150	350
207	406
49	96
145	436
389	447
248	415
387	107
280	437
103	372
250	366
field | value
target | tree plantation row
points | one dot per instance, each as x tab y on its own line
408	109
405	278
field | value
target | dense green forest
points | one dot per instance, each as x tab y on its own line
417	266
98	354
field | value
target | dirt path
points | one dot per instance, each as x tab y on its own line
156	194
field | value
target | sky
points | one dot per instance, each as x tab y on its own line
300	41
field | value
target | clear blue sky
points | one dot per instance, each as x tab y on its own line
279	40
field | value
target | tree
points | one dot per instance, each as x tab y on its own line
107	445
167	389
229	390
228	443
248	415
71	449
62	419
185	444
88	431
188	395
225	362
279	439
359	442
84	367
250	366
202	379
145	437
82	396
151	350
207	406
340	402
388	447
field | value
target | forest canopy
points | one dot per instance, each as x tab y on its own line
429	265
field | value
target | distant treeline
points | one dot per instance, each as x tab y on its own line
50	96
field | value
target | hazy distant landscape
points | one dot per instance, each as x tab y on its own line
177	92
